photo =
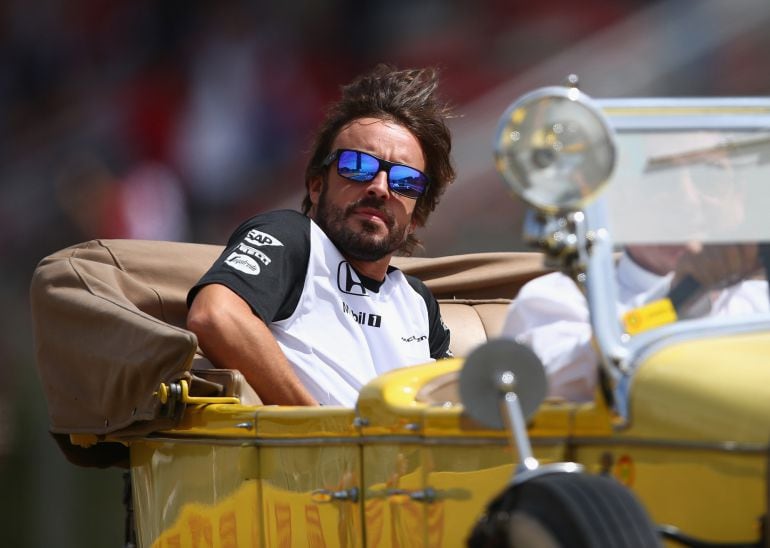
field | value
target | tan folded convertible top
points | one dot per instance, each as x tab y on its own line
109	320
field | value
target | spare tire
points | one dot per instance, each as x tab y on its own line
565	509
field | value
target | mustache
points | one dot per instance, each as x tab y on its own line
373	203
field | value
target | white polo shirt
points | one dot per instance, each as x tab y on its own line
338	329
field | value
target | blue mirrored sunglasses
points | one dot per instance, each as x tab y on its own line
363	167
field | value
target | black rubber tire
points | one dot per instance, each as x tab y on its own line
566	510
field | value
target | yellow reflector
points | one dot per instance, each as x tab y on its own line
649	316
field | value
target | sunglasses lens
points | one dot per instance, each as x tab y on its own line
357	166
362	167
407	181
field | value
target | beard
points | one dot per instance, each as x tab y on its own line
365	244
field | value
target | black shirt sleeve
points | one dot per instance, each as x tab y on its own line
438	334
265	263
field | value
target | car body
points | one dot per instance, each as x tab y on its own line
683	419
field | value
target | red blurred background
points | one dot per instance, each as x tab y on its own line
176	119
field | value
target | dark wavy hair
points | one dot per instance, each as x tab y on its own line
408	98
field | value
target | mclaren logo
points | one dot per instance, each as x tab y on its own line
348	281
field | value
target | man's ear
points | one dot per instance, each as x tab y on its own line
314	187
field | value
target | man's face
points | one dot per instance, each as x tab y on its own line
366	220
658	259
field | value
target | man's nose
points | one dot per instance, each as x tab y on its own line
379	185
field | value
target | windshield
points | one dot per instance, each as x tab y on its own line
685	186
687	215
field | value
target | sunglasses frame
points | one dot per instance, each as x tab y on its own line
383	165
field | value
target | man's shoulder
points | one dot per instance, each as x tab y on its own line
414	282
280	217
554	286
271	226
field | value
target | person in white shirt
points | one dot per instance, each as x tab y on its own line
550	313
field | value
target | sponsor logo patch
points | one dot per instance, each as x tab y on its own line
414	338
364	318
261	239
244	263
243	248
348	281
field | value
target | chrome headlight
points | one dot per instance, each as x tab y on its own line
554	148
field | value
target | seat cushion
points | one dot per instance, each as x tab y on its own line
472	322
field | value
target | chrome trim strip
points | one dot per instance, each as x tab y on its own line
214	440
354	440
686	113
724	446
542	470
571	443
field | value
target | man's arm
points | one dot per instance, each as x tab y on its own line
718	265
438	333
550	315
232	336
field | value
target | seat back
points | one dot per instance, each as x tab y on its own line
472	321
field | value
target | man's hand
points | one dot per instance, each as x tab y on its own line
715	266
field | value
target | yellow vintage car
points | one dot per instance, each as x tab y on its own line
672	449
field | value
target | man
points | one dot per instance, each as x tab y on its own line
307	305
550	314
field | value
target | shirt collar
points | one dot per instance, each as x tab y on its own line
635	280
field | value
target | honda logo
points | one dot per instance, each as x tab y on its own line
348	281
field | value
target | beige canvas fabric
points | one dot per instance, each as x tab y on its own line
474	275
109	320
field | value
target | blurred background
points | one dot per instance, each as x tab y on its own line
177	119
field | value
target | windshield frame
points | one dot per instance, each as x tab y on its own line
621	353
